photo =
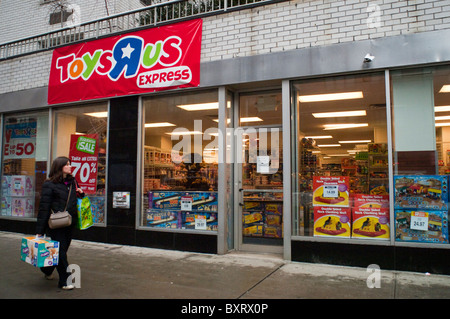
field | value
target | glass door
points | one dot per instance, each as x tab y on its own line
260	172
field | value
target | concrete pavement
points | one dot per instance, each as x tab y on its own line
126	272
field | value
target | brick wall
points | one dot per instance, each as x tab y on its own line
24	18
304	23
283	26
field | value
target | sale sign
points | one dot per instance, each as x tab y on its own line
144	61
20	140
84	158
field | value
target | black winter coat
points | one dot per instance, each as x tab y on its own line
54	197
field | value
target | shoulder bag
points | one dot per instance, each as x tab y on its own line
61	219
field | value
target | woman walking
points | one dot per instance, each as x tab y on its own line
59	190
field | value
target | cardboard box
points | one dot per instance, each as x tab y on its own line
332	221
39	252
370	223
436	230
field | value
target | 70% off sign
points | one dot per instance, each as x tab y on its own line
84	158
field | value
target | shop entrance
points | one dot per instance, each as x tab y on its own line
259	174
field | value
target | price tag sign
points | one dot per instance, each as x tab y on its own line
330	191
186	203
84	158
419	221
200	222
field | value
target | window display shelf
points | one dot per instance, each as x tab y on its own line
262	213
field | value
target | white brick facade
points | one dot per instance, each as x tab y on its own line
283	26
25	18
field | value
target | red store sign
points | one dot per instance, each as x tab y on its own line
155	59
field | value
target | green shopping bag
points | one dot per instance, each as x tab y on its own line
85	219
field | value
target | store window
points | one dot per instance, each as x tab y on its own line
80	133
180	162
340	158
24	168
421	124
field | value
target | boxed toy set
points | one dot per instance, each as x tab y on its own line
17	196
337	213
262	214
39	252
421	208
182	210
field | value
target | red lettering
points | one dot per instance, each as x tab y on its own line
171	51
185	75
170	76
155	77
162	77
177	75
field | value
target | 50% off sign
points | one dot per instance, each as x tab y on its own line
84	158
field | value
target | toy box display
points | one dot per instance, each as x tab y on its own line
331	191
22	206
39	252
370	216
182	210
331	202
370	222
421	226
17	196
262	214
421	208
199	221
332	221
202	201
421	192
163	219
98	209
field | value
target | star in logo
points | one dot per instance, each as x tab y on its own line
126	52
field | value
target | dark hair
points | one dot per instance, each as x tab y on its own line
56	174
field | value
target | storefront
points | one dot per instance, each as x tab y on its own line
341	161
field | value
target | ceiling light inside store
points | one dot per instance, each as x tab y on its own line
442	124
160	124
445	88
185	133
354	142
343	126
318	137
442	118
443	108
200	106
340	114
250	119
97	114
329	145
330	97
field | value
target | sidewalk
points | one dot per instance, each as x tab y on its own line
127	272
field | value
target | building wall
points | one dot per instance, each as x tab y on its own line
284	26
25	18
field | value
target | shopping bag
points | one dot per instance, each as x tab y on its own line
85	219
